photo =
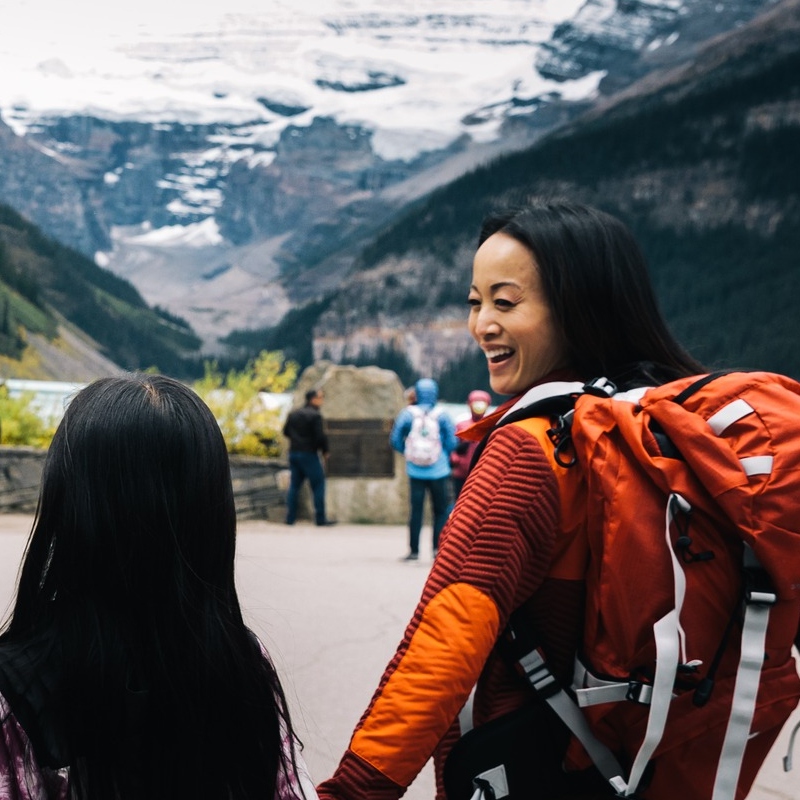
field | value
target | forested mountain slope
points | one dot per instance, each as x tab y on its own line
55	300
703	164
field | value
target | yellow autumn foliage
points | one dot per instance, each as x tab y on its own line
248	425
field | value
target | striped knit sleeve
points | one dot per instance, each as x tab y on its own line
493	554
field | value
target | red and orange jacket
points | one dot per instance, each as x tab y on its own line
497	551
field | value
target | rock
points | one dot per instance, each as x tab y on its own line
360	406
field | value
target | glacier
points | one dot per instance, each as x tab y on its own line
411	73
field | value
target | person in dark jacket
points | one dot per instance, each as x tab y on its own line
307	440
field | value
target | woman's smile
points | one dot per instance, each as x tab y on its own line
497	355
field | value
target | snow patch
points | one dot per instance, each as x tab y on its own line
582	88
251	62
260	159
396	144
197	234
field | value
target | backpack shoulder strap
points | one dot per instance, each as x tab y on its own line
538	400
522	648
548	399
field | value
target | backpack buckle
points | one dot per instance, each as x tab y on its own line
561	437
600	387
638	692
538	674
758	586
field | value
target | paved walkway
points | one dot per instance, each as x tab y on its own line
331	605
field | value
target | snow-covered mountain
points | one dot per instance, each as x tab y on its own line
228	157
410	73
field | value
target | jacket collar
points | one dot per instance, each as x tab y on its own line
479	429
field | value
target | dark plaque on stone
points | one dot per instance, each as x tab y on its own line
359	448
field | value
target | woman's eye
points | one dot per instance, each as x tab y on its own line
503	303
473	301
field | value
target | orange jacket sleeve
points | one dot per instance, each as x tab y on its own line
494	553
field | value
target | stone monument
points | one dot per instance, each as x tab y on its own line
366	479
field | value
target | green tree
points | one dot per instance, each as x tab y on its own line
249	427
21	425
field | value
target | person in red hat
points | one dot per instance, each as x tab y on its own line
478	402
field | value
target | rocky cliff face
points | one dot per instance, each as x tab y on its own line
604	27
324	183
132	173
413	304
637	35
47	186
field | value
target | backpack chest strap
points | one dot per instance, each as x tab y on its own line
589	690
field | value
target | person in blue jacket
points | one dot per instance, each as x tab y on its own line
425	435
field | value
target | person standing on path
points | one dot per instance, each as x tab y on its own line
425	435
307	440
559	292
461	458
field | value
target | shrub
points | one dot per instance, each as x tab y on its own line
20	424
249	427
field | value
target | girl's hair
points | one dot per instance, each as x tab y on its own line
599	291
156	688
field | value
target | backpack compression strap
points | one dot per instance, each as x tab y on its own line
759	599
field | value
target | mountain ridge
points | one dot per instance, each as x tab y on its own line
277	216
65	318
695	158
304	230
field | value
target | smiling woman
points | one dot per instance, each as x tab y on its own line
559	291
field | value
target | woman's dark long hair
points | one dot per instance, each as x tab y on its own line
153	687
599	290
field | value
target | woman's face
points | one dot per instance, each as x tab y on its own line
509	316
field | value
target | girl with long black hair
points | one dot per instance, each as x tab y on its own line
126	669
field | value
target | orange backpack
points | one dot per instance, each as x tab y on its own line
693	583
